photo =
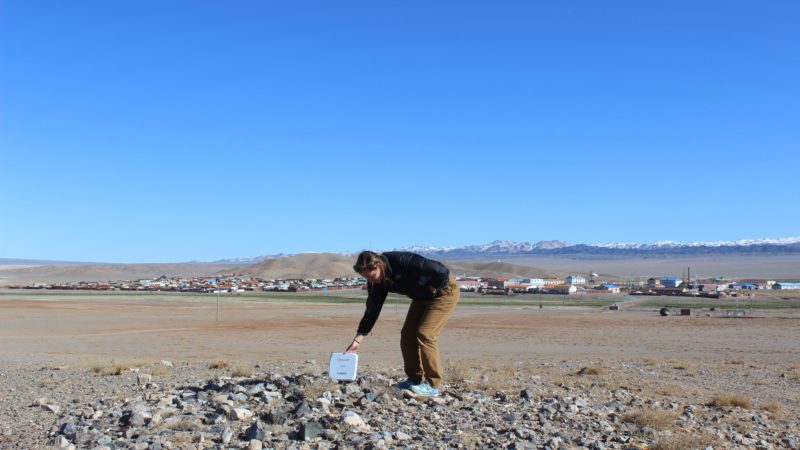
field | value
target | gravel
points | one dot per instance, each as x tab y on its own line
295	406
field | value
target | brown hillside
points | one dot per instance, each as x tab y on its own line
495	269
332	265
102	272
304	265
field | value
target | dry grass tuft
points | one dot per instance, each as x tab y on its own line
184	425
110	368
219	364
242	370
688	369
774	408
315	390
671	390
737	361
655	418
494	377
591	370
159	370
730	400
681	442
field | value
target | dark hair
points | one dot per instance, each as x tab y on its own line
368	260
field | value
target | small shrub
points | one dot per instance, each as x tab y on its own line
108	369
591	370
219	364
730	400
242	370
774	408
680	442
655	418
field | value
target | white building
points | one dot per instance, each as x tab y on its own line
575	279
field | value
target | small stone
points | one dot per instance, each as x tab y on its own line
352	419
167	364
255	432
400	436
241	414
311	430
526	394
226	436
136	420
68	429
302	409
143	378
254	444
62	442
55	409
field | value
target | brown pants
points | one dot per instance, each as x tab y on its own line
420	335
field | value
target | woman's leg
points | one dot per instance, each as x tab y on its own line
427	333
408	342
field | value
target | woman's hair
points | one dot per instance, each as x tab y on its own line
368	260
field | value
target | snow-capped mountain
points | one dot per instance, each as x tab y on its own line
555	247
674	244
511	248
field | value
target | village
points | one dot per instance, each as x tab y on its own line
575	284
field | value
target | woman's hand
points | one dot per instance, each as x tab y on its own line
353	347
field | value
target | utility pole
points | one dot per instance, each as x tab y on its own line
217	301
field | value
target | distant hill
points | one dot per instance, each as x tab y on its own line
304	265
496	269
332	265
103	272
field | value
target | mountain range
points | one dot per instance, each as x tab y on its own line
666	248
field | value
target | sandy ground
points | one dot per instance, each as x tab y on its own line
74	330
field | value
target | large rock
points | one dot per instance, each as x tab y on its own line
352	420
241	414
311	430
255	431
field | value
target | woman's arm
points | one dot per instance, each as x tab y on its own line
375	299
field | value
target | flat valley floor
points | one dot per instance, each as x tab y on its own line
678	360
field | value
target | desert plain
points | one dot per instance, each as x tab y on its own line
538	373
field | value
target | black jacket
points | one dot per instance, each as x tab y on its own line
408	274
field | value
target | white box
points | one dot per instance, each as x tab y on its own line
344	366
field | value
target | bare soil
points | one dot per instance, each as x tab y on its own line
65	329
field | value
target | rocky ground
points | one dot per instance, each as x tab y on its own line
531	405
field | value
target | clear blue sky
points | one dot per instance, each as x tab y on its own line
154	131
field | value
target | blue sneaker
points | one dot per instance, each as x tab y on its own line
404	385
425	390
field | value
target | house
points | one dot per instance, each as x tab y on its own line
575	279
785	285
563	289
611	288
536	282
670	282
469	285
552	281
